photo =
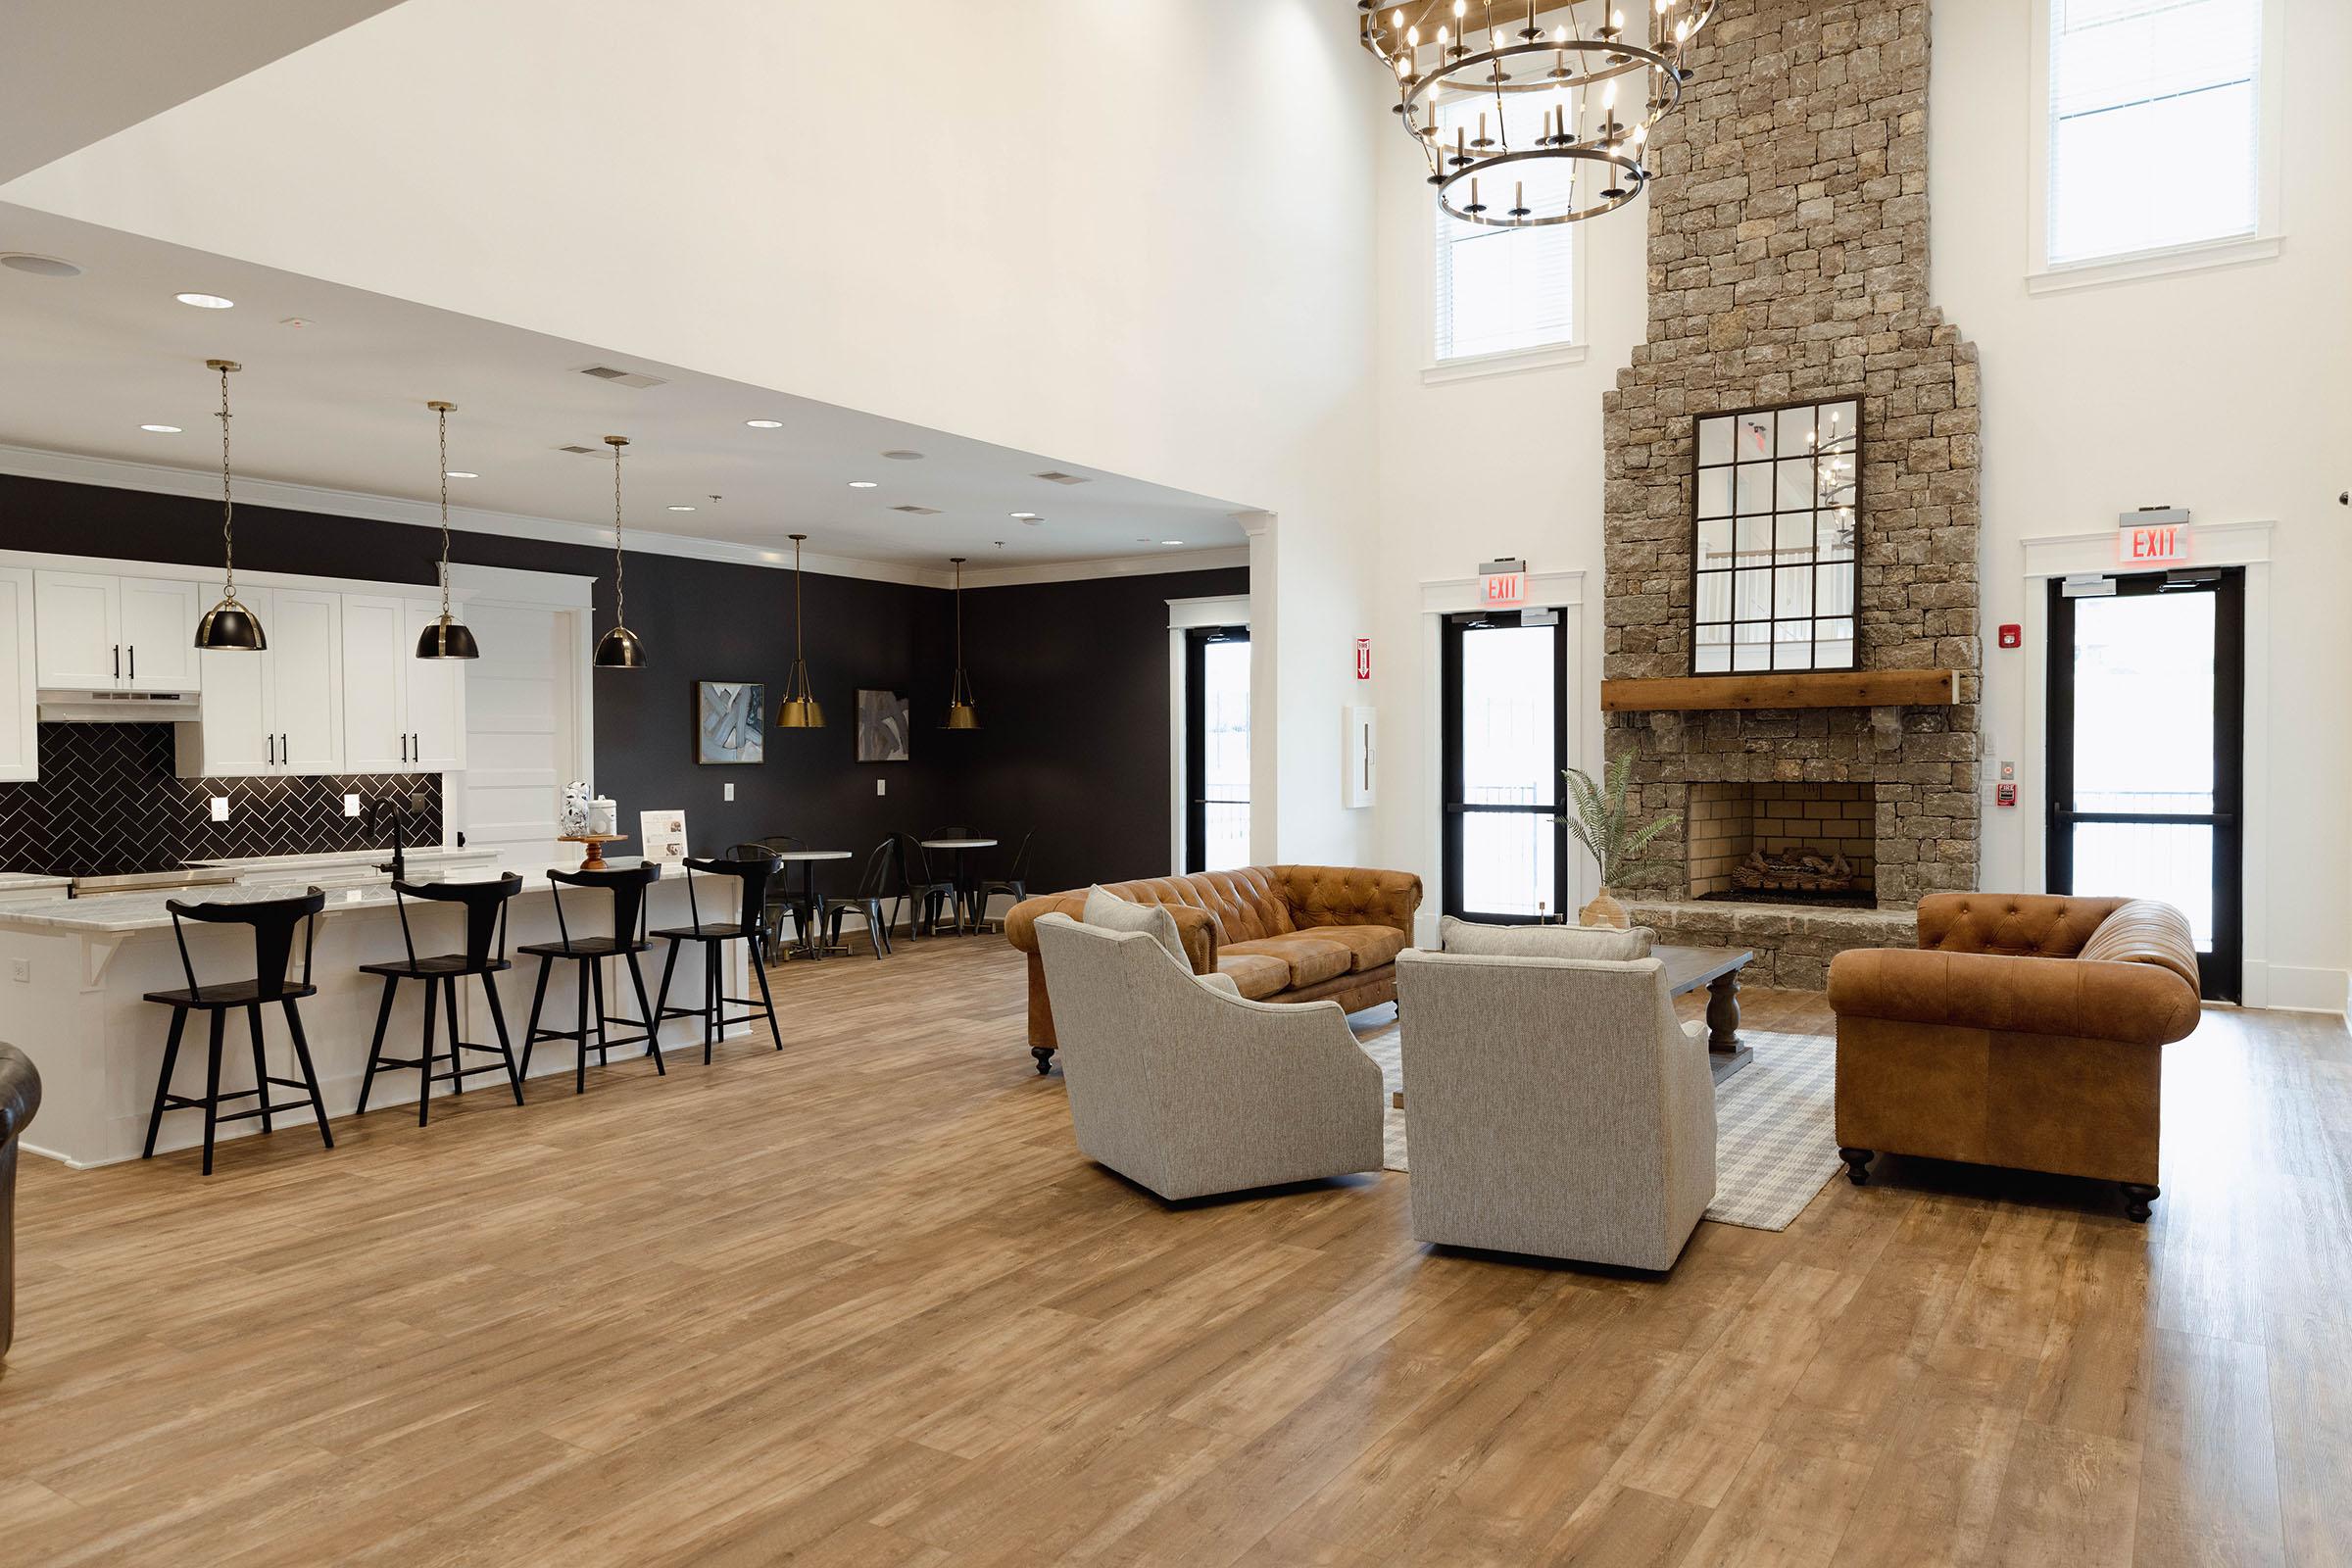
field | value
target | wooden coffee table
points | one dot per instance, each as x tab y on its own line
1718	969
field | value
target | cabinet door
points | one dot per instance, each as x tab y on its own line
436	697
78	644
306	679
236	738
159	633
376	693
19	736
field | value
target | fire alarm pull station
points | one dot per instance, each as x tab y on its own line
2004	794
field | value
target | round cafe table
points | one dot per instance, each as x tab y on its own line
961	876
805	942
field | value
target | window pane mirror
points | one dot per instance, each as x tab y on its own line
1776	506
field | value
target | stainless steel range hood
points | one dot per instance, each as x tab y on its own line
72	706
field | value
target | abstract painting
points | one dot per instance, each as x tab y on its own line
727	721
882	730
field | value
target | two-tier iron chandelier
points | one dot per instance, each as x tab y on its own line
1531	113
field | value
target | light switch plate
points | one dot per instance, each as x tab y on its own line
730	788
220	807
351	806
881	786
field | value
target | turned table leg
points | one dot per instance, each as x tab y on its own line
1725	1054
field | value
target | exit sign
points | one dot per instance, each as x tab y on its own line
1502	584
2153	544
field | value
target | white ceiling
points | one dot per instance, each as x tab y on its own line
339	403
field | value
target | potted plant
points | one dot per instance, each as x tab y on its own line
1602	825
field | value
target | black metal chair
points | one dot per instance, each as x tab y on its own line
756	876
486	905
627	941
920	888
873	886
273	922
782	897
1013	884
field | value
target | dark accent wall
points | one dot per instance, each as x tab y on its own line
1072	678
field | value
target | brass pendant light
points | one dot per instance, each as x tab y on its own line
961	714
800	709
445	638
228	626
619	648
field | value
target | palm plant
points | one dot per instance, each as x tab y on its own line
1602	821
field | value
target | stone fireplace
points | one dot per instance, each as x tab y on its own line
1788	264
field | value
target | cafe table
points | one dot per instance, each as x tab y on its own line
807	942
961	848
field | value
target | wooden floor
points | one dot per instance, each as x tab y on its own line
863	1303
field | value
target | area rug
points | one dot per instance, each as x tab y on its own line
1776	1144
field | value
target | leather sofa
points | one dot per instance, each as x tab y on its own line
2026	1030
1283	933
19	1097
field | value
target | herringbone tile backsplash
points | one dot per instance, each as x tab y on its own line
106	804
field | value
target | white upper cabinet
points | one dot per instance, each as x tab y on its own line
19	732
108	633
280	710
436	697
401	714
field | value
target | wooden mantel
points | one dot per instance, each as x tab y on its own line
1820	687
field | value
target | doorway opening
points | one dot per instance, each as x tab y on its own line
1505	679
1216	747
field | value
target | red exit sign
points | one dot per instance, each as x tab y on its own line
1502	584
2153	544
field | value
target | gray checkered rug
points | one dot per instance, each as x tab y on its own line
1776	1145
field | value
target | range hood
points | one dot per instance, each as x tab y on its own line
76	706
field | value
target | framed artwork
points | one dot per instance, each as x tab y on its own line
882	728
726	726
1775	529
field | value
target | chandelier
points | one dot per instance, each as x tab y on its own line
1531	113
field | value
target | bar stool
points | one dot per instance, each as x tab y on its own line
873	886
627	940
755	875
272	923
486	905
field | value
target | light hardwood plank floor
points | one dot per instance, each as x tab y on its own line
863	1303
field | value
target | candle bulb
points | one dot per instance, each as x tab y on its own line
1519	195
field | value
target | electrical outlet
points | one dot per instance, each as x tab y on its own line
21	971
220	807
730	788
881	786
351	806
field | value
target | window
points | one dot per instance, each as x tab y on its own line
1217	686
1500	290
2156	134
1775	524
1505	742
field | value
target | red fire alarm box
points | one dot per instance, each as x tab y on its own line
2004	794
2013	635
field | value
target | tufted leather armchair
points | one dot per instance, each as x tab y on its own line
1282	933
2026	1030
19	1097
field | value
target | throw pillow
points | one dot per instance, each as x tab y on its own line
1113	914
1590	943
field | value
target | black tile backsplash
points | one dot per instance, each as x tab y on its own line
106	804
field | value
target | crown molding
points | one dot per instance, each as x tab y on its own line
119	474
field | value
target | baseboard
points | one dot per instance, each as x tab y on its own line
2286	987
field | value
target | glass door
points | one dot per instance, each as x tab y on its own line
1216	731
1505	742
2146	742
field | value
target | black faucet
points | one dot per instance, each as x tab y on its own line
398	811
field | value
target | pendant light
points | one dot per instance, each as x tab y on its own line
800	709
962	714
619	648
445	638
228	626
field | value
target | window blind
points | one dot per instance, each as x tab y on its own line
1501	289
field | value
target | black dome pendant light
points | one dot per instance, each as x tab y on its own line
619	648
445	638
228	626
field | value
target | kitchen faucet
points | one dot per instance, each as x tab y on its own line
398	813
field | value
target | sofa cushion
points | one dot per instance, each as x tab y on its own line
1112	913
1368	946
1601	944
1257	975
1310	958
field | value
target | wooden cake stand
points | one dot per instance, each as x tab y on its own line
596	843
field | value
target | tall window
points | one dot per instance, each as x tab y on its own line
1500	290
2155	125
1216	727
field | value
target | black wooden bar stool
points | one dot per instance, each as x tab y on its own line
755	874
486	905
627	940
273	922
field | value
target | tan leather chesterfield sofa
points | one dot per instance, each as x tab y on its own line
1284	933
2026	1030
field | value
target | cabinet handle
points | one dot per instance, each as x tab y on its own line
271	741
134	660
117	660
285	748
404	748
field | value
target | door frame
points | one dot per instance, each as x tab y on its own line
1454	812
2221	977
1195	763
1186	616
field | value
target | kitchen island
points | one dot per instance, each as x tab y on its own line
75	972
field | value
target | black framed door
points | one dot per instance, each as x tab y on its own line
2147	722
1216	747
1505	742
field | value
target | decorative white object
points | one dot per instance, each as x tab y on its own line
663	836
1356	789
572	818
604	815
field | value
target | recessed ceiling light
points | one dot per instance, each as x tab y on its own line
861	484
681	509
902	455
39	266
1027	516
460	474
161	429
205	302
1171	542
765	424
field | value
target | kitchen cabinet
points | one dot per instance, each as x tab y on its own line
98	632
19	686
280	710
401	714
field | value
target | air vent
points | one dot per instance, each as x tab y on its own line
579	450
1059	477
635	378
917	512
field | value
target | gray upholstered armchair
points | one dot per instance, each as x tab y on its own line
19	1097
1555	1107
1177	1083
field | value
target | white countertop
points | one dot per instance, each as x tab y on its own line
114	913
418	854
30	882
